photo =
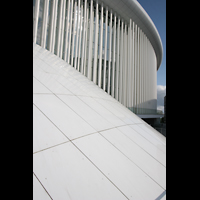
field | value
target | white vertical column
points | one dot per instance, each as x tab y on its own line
35	24
100	47
74	31
109	61
83	54
150	71
105	50
133	67
70	31
138	76
129	64
143	68
121	65
54	26
86	49
147	71
138	68
80	38
90	42
113	57
67	29
144	71
44	24
125	67
62	28
147	96
51	26
142	80
117	62
155	80
59	28
96	44
84	45
77	34
151	74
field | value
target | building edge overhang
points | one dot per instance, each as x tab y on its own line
131	9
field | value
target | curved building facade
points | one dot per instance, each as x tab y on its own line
86	144
112	42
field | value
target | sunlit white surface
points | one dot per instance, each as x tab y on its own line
46	134
67	174
38	190
118	48
126	175
86	145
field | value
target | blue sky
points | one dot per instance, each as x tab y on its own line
156	9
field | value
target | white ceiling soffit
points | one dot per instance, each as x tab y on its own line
86	145
132	9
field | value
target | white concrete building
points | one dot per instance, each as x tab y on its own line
112	42
86	144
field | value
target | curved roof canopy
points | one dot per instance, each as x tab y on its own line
132	9
86	145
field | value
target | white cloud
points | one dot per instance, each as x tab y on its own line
161	92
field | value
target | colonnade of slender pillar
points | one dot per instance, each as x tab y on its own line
113	53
